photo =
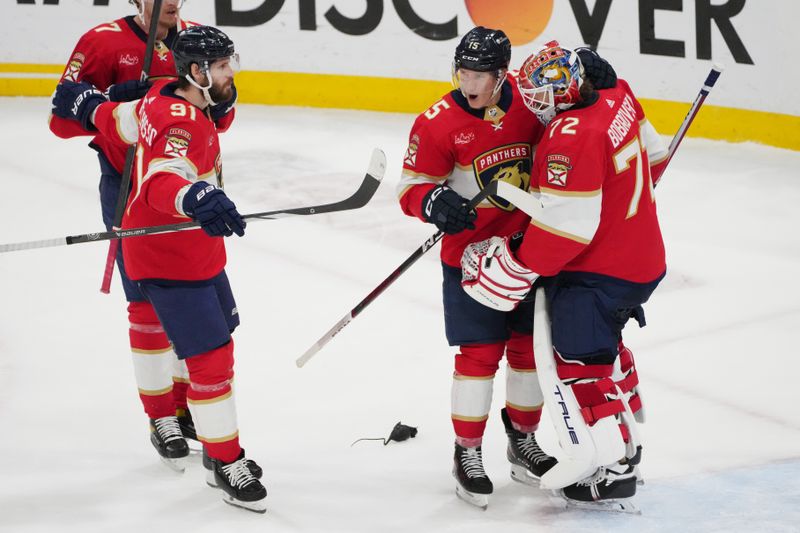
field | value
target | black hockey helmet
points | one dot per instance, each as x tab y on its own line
202	45
484	50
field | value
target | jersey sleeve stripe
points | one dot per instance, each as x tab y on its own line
559	233
127	122
657	150
573	217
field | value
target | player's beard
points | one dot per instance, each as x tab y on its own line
222	92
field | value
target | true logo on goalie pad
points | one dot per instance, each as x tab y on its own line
557	169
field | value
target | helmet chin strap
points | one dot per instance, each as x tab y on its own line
204	90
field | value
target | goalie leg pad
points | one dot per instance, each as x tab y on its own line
627	380
586	447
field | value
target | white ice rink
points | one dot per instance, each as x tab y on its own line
719	359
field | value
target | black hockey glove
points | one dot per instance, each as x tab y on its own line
127	91
598	70
77	101
223	108
448	210
214	211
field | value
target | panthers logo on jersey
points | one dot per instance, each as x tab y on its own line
510	163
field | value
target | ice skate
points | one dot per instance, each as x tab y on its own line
473	486
611	488
240	487
208	464
166	437
528	461
186	423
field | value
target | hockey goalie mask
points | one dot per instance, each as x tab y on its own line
550	81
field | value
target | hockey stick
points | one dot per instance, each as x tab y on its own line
358	199
711	79
489	190
125	182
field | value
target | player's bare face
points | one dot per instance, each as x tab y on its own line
170	12
222	72
477	87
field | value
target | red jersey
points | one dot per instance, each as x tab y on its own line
112	53
467	149
592	172
177	146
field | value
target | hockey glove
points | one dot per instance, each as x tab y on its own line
127	91
597	70
215	212
492	276
77	101
448	210
220	110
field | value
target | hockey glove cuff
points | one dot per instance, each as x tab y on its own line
77	101
215	212
491	275
127	91
446	209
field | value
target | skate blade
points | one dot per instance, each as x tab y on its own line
177	465
619	505
259	506
478	500
522	475
211	480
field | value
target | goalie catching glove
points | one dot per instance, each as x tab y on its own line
491	274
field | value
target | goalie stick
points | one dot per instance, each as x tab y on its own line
127	169
360	198
489	190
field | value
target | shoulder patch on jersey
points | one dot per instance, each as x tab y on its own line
177	146
411	152
557	168
180	132
74	67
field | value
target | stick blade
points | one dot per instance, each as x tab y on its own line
377	164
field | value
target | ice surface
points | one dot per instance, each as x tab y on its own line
718	360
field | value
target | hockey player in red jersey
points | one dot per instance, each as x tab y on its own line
182	274
110	57
594	242
477	133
